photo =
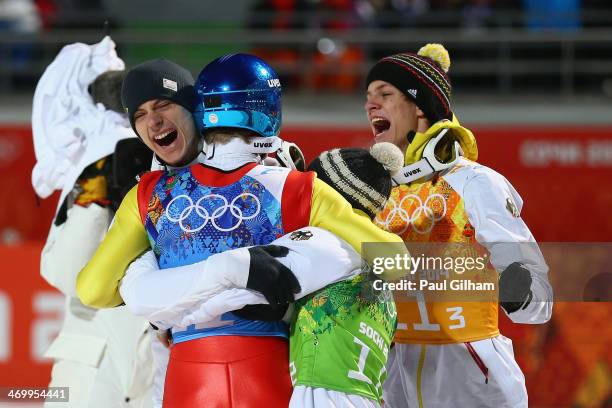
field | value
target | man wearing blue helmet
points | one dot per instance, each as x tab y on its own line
230	201
329	327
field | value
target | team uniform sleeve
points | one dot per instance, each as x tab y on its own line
493	207
317	259
84	228
165	296
98	281
330	211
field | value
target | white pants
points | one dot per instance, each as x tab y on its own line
310	397
91	386
104	358
440	376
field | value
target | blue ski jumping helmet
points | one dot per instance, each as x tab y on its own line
238	90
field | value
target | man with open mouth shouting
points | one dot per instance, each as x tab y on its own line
195	212
451	354
161	115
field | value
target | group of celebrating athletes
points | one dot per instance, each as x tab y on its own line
250	271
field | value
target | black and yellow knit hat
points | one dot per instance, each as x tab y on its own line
422	77
362	177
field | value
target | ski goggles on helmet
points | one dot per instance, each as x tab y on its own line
289	155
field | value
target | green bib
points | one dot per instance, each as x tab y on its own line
340	338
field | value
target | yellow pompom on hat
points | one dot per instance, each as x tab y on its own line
436	52
422	77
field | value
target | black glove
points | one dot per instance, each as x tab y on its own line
266	313
515	287
270	277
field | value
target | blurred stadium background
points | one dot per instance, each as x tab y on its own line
532	78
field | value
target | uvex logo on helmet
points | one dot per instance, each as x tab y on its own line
262	144
274	83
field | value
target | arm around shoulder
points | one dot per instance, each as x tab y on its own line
98	281
332	212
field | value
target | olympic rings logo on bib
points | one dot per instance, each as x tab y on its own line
210	215
422	218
